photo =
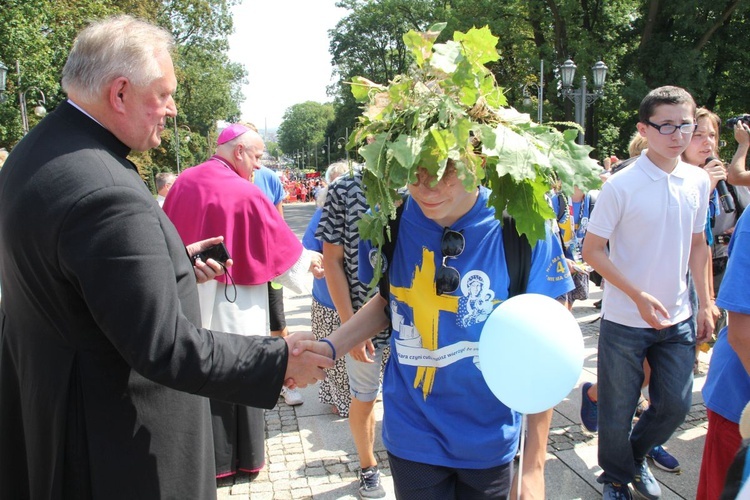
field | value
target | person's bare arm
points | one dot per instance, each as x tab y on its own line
338	287
737	174
534	457
364	325
699	271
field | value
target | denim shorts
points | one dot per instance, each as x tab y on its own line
364	378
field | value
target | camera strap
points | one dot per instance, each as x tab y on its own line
226	285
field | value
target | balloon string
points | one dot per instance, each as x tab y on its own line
520	459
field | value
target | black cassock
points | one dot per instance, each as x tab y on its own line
103	372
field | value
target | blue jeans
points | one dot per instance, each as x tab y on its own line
622	349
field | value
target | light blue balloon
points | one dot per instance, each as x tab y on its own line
531	352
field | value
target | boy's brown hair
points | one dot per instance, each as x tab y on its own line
663	95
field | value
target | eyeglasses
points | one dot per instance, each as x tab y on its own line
669	129
448	278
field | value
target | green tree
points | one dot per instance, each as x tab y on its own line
369	42
645	43
303	127
39	34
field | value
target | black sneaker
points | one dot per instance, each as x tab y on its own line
369	483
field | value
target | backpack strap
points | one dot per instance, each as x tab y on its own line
517	257
561	210
389	247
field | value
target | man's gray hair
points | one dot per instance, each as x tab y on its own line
111	48
164	178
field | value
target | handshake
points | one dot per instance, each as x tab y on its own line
307	360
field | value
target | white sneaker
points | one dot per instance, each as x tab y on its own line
292	397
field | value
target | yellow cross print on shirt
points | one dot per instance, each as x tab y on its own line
426	305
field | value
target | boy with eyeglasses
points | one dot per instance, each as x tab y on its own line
653	215
447	436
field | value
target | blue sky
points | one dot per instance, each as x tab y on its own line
283	45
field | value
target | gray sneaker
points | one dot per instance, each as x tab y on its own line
645	483
369	483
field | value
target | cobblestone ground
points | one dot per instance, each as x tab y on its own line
287	476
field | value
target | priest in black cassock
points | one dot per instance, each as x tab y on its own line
103	372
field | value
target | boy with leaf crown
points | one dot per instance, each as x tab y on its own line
441	129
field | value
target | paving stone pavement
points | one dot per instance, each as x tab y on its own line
309	453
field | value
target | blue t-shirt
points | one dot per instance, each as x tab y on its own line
268	182
438	409
320	287
727	387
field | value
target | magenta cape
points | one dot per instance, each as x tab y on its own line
212	200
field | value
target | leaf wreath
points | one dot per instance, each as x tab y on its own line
448	107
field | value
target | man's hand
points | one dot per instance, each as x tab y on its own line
306	362
206	271
650	309
316	265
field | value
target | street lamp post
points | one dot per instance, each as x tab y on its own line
580	96
3	76
327	150
341	143
539	93
39	109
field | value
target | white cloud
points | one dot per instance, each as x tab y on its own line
283	45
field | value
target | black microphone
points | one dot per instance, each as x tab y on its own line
727	202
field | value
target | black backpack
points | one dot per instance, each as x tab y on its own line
517	254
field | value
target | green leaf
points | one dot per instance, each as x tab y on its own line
373	154
361	88
479	44
405	152
515	154
525	201
445	56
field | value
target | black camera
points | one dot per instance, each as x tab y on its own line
217	252
742	118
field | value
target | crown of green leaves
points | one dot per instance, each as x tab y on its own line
448	107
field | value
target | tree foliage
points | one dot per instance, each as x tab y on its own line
39	35
303	127
645	43
384	54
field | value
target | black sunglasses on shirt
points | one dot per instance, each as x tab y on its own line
447	278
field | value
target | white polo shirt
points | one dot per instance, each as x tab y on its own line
649	217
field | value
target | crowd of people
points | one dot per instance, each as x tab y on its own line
301	190
136	364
